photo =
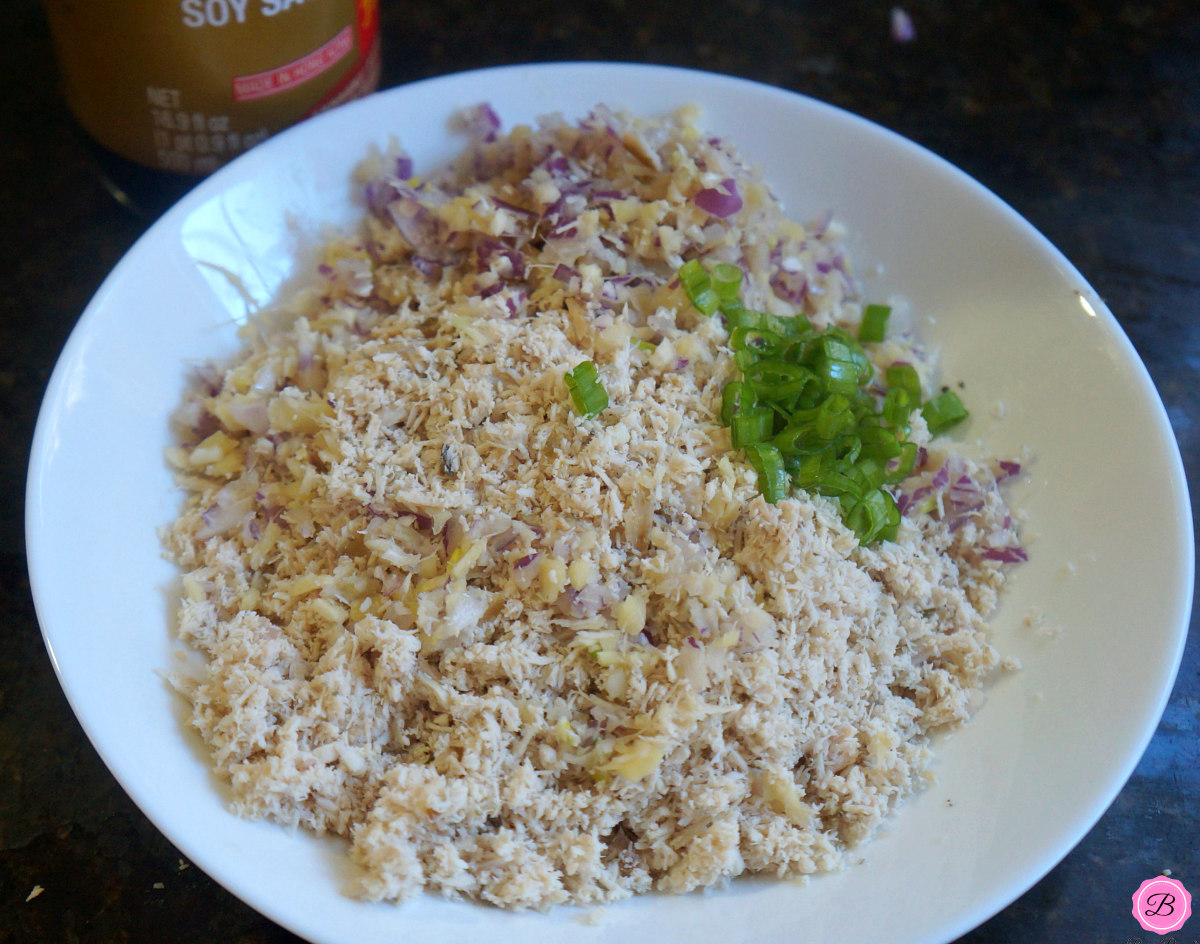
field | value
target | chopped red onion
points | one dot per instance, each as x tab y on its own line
1008	469
427	267
505	539
721	201
414	223
251	414
789	286
479	121
514	208
1006	555
903	30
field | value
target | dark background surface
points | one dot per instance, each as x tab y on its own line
1085	117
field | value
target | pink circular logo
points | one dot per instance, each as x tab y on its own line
1162	905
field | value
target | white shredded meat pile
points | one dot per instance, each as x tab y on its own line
527	657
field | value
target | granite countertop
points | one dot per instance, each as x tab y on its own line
1085	117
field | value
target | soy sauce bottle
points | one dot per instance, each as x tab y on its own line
168	92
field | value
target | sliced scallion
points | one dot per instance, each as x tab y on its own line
873	327
726	282
943	411
751	426
699	288
897	404
587	393
773	480
905	377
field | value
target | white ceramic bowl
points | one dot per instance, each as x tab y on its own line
1109	525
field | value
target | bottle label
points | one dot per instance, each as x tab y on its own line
274	81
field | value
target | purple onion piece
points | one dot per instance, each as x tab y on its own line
480	121
564	273
427	267
789	286
514	208
721	201
903	30
1006	555
1009	468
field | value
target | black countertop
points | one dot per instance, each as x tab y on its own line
1083	116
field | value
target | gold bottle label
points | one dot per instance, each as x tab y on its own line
186	85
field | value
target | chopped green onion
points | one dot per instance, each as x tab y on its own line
875	515
905	377
840	363
698	286
901	466
778	380
800	440
943	411
726	282
584	374
879	443
836	482
733	397
693	276
839	376
796	326
773	480
752	426
737	316
896	407
806	412
808	471
871	473
846	448
873	327
833	417
707	301
587	393
761	342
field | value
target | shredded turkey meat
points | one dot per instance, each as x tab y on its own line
530	658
